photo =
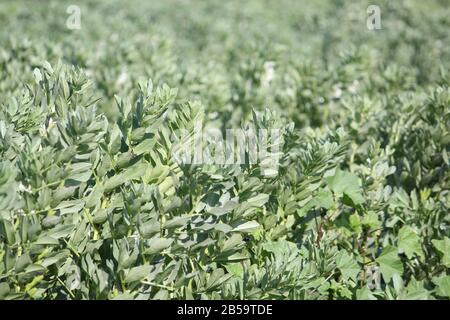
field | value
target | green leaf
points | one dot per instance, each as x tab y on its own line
216	278
371	220
246	227
390	263
4	290
55	258
137	273
22	262
80	172
409	242
323	199
177	222
348	266
149	229
157	245
442	286
61	231
443	246
235	268
233	243
415	291
46	240
355	222
258	201
346	183
364	294
222	227
231	258
70	206
225	208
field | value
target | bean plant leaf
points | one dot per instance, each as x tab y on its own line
390	263
409	242
346	183
443	246
347	265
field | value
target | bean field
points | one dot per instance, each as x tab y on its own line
224	149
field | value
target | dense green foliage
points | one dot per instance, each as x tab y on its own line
94	206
